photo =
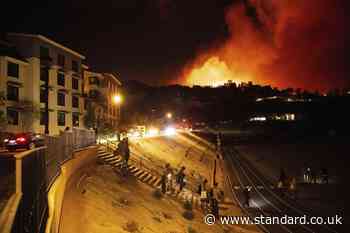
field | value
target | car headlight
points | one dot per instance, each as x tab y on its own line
6	140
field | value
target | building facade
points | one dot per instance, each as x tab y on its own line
100	90
47	85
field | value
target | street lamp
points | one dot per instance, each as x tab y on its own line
169	115
117	99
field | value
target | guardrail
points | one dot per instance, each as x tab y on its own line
138	161
27	209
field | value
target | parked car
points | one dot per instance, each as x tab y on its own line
24	141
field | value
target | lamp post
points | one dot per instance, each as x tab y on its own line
117	100
169	115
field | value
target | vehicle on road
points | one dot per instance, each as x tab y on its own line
23	141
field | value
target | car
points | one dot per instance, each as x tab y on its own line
23	141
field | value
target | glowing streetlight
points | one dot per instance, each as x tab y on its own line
117	99
169	115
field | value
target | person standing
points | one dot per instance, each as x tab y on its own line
180	176
293	187
324	175
283	176
163	183
126	152
246	194
280	188
169	176
214	207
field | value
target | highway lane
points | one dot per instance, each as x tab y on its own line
265	200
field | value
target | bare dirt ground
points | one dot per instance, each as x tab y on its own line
103	202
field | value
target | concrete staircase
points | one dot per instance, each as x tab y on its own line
144	176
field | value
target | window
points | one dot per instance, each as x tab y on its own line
61	118
75	101
75	83
61	99
60	60
44	74
12	116
12	93
12	69
75	119
42	96
75	66
60	79
44	52
42	118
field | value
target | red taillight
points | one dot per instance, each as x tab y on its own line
21	139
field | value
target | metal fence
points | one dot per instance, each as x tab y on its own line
36	170
60	149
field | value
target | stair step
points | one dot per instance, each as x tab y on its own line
147	180
106	156
111	159
139	173
144	176
153	181
134	170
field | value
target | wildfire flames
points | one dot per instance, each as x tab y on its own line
286	44
213	73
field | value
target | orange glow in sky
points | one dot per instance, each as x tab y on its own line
214	72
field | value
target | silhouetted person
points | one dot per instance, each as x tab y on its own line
280	188
293	188
163	183
324	175
246	194
283	176
199	190
214	207
313	177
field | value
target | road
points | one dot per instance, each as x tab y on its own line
264	198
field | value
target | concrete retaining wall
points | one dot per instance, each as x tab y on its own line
70	171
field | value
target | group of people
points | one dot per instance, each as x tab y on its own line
311	177
286	184
210	197
171	180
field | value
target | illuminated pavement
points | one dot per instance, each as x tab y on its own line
103	201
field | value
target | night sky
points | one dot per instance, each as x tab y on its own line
161	41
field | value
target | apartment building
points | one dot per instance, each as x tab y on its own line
46	84
100	90
13	72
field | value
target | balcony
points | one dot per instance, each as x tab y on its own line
46	61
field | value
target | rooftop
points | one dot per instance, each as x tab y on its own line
49	41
